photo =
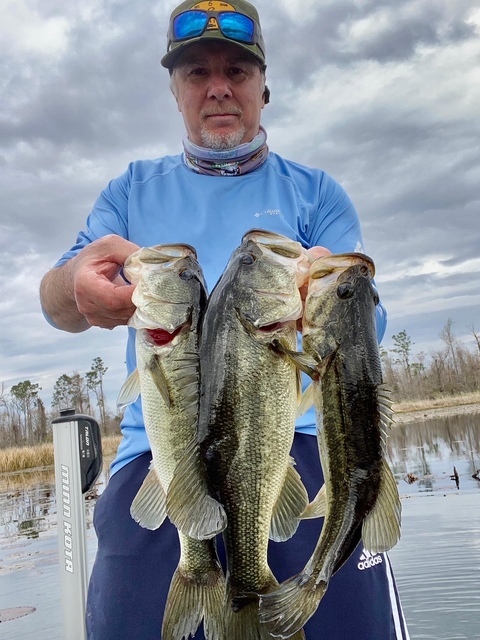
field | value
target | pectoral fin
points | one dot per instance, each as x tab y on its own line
302	360
130	390
158	376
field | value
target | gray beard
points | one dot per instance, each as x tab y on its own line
221	141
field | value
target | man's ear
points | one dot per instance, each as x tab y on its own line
266	95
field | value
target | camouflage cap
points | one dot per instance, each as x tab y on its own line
175	48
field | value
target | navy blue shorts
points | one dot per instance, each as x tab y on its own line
133	568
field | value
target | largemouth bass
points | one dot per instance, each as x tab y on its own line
170	297
249	395
360	496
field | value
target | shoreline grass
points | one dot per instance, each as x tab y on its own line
15	459
441	402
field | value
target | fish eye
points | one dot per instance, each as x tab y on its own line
248	258
345	291
187	274
364	270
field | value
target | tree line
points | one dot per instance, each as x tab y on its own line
25	421
450	370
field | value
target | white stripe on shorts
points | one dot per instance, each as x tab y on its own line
397	611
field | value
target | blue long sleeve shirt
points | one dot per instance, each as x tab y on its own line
163	201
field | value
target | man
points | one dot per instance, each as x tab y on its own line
225	183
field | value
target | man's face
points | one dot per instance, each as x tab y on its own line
219	91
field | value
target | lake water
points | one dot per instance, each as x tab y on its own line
437	561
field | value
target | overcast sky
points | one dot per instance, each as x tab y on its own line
382	94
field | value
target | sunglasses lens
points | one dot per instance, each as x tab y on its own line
237	26
190	24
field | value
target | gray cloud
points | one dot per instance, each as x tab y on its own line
344	33
381	94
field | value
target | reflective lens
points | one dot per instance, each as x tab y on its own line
235	26
190	24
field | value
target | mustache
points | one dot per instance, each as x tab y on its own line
219	111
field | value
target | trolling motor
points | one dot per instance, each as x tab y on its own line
78	463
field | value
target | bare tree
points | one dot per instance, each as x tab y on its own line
476	336
446	334
437	368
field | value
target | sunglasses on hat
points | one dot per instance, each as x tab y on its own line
233	25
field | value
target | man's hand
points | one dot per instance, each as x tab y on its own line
87	290
313	254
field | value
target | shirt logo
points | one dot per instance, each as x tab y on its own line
369	560
268	212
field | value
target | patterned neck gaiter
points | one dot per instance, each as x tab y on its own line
229	162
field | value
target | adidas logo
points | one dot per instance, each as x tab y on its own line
367	560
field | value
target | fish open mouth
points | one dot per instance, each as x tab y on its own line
253	328
160	337
275	326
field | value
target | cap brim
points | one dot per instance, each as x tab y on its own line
169	59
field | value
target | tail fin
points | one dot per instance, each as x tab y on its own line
244	624
190	600
242	620
285	611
